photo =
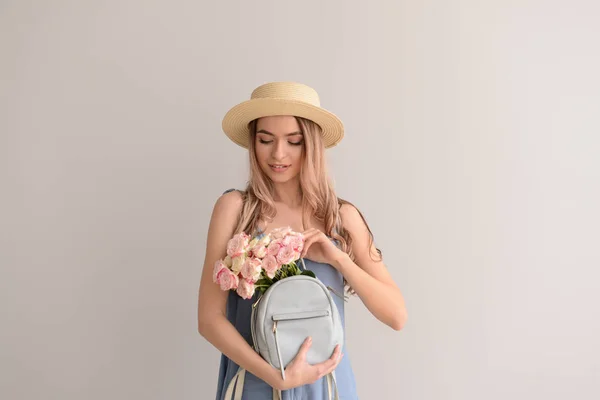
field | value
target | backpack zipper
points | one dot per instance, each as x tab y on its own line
257	301
281	368
300	315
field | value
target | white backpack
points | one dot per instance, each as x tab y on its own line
290	310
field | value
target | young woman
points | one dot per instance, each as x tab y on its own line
286	133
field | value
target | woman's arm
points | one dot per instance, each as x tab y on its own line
212	319
370	279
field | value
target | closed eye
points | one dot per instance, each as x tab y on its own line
270	141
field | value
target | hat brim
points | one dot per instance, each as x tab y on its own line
235	123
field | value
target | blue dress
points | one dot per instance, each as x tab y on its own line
238	313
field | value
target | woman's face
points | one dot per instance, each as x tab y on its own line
279	144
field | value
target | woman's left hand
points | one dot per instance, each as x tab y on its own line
318	247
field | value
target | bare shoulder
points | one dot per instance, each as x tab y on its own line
351	217
226	211
355	223
229	202
363	245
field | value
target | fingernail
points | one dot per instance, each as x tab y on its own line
309	339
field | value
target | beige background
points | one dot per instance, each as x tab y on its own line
472	148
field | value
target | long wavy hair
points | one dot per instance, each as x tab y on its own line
318	195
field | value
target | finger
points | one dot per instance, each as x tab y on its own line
336	353
329	365
310	233
330	361
338	359
318	236
335	365
335	357
304	348
312	239
325	370
313	232
306	246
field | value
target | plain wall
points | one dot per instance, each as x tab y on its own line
471	147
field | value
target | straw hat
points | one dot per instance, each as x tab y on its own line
282	98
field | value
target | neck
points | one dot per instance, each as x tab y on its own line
288	193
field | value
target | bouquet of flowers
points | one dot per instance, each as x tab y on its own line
255	264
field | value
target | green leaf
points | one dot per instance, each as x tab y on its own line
262	282
308	273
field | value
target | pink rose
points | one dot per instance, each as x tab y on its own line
270	265
237	245
237	262
274	247
251	269
259	247
286	255
264	241
297	242
280	233
245	289
227	279
219	265
260	252
253	243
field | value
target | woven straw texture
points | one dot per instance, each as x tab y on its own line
282	98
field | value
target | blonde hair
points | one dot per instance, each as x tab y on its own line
318	196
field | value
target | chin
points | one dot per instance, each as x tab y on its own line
279	178
275	177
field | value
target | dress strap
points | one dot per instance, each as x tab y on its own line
229	190
258	232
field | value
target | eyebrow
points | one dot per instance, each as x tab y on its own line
289	134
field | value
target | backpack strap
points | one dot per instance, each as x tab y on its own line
303	265
331	381
237	382
278	351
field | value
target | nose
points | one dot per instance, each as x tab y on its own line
278	152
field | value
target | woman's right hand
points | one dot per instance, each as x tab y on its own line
299	372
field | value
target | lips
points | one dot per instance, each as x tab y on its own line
279	167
